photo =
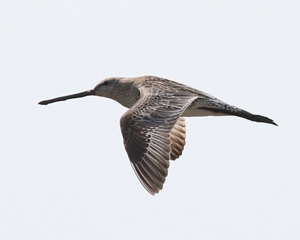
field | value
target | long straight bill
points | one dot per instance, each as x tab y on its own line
64	98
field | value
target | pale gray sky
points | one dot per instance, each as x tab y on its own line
64	173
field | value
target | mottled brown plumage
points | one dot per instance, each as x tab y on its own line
153	128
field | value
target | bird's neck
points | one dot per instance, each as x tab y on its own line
128	95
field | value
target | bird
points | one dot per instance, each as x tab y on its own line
153	127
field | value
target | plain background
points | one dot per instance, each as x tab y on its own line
64	173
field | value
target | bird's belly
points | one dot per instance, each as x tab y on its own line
194	112
195	109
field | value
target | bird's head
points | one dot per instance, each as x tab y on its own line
108	87
123	90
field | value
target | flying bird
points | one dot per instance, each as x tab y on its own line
153	128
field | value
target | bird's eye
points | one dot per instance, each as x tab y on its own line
105	83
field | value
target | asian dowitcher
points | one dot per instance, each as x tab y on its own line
154	127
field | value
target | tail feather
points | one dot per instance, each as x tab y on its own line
255	117
240	113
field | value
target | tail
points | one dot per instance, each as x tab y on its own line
255	118
230	110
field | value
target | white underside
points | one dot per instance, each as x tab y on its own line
200	113
194	111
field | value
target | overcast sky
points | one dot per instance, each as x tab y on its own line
64	172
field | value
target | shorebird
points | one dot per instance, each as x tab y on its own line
153	128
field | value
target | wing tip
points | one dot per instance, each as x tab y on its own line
260	118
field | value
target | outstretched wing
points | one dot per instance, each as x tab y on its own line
146	129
